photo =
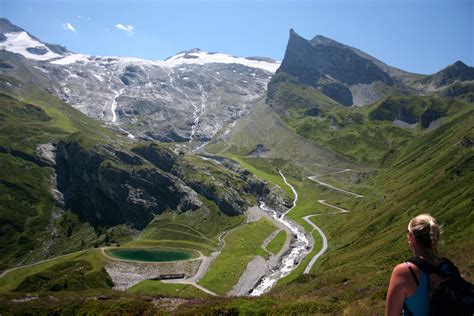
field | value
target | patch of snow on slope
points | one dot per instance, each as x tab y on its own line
18	43
201	58
71	59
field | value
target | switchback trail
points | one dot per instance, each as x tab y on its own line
319	230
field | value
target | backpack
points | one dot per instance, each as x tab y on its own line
450	294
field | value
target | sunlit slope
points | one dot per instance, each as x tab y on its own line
373	135
434	175
265	129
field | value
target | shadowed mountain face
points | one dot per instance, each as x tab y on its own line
311	60
331	66
350	76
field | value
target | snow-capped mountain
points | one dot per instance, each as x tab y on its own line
187	97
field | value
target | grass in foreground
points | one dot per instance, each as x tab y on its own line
241	246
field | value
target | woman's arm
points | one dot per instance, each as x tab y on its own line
396	291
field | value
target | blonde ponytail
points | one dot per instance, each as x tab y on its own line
426	231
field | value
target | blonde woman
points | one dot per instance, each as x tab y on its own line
408	291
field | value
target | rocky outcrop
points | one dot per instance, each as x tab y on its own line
273	196
104	191
458	71
336	69
159	156
309	60
338	92
226	198
411	110
107	187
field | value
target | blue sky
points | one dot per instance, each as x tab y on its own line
415	35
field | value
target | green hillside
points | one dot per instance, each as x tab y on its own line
431	171
26	204
366	135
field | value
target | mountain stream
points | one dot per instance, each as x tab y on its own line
299	248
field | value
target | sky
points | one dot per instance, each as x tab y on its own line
421	36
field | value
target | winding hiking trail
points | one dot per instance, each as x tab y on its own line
4	273
315	227
300	249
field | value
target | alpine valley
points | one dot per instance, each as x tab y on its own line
276	187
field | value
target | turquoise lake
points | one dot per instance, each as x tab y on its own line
150	255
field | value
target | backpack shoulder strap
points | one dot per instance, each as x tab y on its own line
423	265
445	269
413	274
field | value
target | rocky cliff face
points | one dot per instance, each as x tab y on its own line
308	60
331	66
104	189
106	186
457	72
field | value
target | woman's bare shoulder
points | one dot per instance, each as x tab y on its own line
401	270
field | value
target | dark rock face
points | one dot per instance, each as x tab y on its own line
226	198
309	60
37	50
455	90
104	192
429	116
271	196
410	110
467	142
267	195
338	92
455	72
160	157
312	112
336	69
7	27
58	49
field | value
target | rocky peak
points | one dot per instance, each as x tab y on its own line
7	27
458	71
336	69
308	60
185	53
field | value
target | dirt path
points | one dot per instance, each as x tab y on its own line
268	240
39	262
205	264
319	230
313	178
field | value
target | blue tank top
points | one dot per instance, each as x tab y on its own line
418	303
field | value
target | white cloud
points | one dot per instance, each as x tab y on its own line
68	26
126	28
